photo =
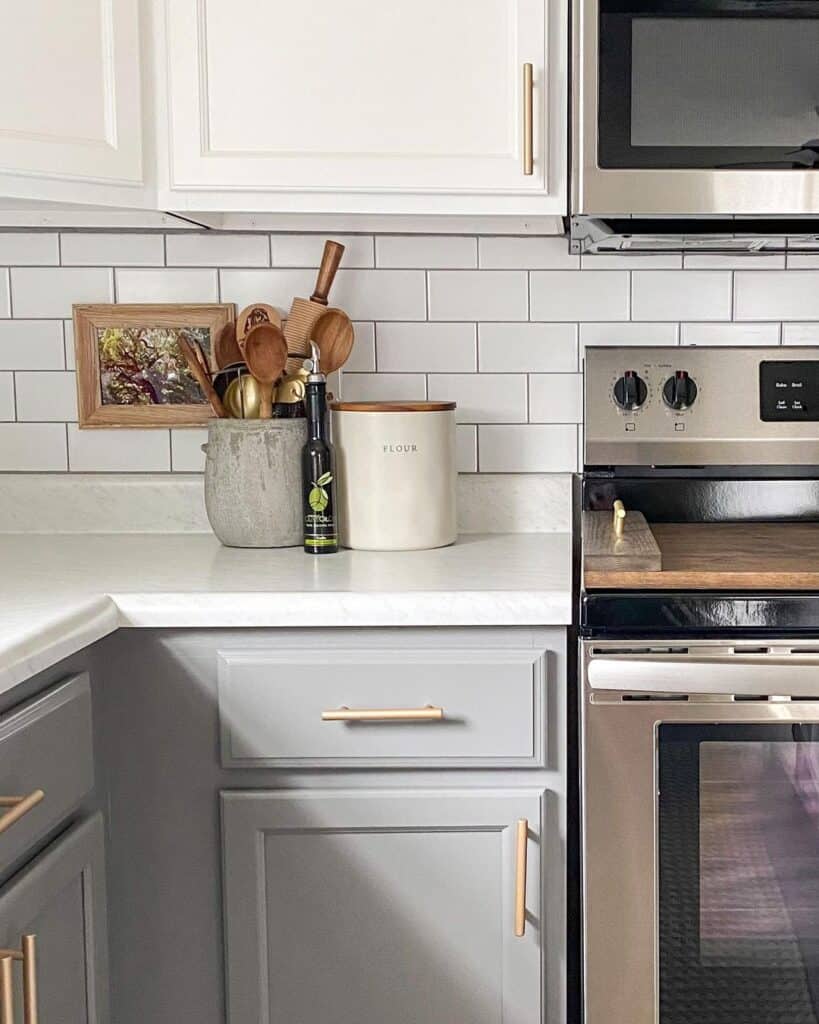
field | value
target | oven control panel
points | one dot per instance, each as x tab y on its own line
789	391
696	406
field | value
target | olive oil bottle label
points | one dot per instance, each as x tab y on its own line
320	520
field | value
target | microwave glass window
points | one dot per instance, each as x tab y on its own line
708	90
739	874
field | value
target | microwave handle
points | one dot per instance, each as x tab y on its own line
792	677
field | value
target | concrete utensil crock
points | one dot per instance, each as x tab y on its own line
253	482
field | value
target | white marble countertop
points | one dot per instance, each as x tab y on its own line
61	592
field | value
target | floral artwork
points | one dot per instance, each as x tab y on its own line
143	365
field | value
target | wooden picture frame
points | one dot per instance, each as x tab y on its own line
150	386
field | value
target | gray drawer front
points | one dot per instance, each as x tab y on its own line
45	744
271	705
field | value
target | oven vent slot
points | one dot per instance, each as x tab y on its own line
750	650
631	651
643	697
804	650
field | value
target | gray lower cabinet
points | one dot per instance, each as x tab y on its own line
60	898
361	907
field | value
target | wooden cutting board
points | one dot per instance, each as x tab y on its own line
723	556
605	551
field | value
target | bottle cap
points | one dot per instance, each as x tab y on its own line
313	367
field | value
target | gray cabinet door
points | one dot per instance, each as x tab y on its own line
60	898
380	905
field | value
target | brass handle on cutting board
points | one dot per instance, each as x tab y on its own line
528	119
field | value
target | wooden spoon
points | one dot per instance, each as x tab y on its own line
266	355
253	315
200	374
226	349
334	334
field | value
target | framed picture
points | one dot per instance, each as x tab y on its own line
130	370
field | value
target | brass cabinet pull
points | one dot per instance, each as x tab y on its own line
520	876
344	714
19	805
528	119
28	955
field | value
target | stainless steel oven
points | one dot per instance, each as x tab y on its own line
700	816
696	107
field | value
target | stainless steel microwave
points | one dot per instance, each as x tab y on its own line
687	108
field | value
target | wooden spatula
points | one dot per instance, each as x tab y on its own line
254	314
305	312
266	354
194	357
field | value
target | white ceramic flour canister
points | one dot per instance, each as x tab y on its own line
396	475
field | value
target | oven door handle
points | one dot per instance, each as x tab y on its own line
760	676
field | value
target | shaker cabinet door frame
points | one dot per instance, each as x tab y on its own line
360	97
72	128
60	897
377	895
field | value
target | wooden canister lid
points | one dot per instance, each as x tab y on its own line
392	406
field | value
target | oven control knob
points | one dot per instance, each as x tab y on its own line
679	391
630	391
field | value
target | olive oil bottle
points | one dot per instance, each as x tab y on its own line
318	466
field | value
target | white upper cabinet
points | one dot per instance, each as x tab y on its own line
71	118
364	105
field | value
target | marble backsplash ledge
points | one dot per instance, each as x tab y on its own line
32	503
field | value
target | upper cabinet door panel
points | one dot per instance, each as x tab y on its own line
361	95
70	78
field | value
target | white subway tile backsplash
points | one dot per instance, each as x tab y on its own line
105	249
734	261
50	292
530	448
186	450
729	334
118	451
362	357
31	345
426	348
383	387
306	250
466	448
6	396
276	287
478	295
800	334
32	448
782	295
426	252
215	249
506	348
681	295
505	341
482	397
380	294
25	249
579	295
46	396
506	252
629	334
163	285
556	398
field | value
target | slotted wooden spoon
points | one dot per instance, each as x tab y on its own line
265	355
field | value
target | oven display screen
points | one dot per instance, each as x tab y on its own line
739	874
788	391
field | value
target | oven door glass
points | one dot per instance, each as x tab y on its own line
709	83
739	874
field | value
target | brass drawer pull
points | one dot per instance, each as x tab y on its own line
345	714
28	955
528	119
19	805
520	876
